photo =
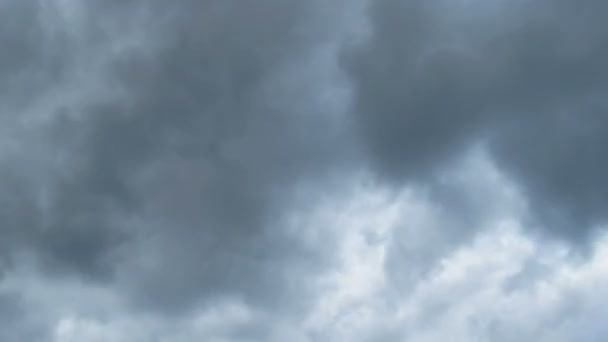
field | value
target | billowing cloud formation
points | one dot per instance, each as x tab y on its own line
282	170
501	285
526	78
189	145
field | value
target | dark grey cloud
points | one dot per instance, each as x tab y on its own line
163	165
188	149
526	79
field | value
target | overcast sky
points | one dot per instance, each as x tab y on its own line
303	170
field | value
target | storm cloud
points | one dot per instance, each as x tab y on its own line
188	150
526	80
272	170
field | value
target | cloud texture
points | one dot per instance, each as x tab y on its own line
272	170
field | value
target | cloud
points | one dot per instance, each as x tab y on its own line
526	79
275	170
181	133
467	292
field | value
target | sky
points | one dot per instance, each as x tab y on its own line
307	171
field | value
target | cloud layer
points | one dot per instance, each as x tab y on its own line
381	170
527	80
